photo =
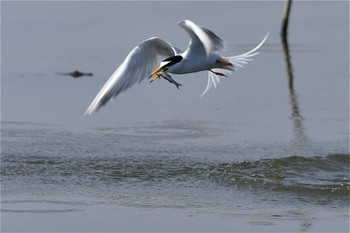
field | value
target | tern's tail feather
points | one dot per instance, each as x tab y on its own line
244	58
236	61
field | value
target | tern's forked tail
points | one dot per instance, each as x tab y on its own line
244	58
237	61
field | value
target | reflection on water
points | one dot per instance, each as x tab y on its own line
298	127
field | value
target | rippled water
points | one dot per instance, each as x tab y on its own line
172	166
131	161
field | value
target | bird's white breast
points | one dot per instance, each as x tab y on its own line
194	63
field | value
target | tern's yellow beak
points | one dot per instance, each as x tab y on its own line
155	73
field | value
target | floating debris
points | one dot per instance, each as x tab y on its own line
77	74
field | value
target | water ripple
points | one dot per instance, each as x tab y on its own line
317	175
171	158
39	207
327	175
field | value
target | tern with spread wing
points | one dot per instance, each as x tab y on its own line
202	54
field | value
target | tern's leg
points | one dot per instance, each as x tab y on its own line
218	73
169	78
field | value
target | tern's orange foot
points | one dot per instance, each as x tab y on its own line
218	73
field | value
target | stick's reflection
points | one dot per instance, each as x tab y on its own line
296	116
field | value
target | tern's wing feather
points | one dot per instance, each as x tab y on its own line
202	39
137	66
218	43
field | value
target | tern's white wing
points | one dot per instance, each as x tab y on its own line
137	66
202	39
